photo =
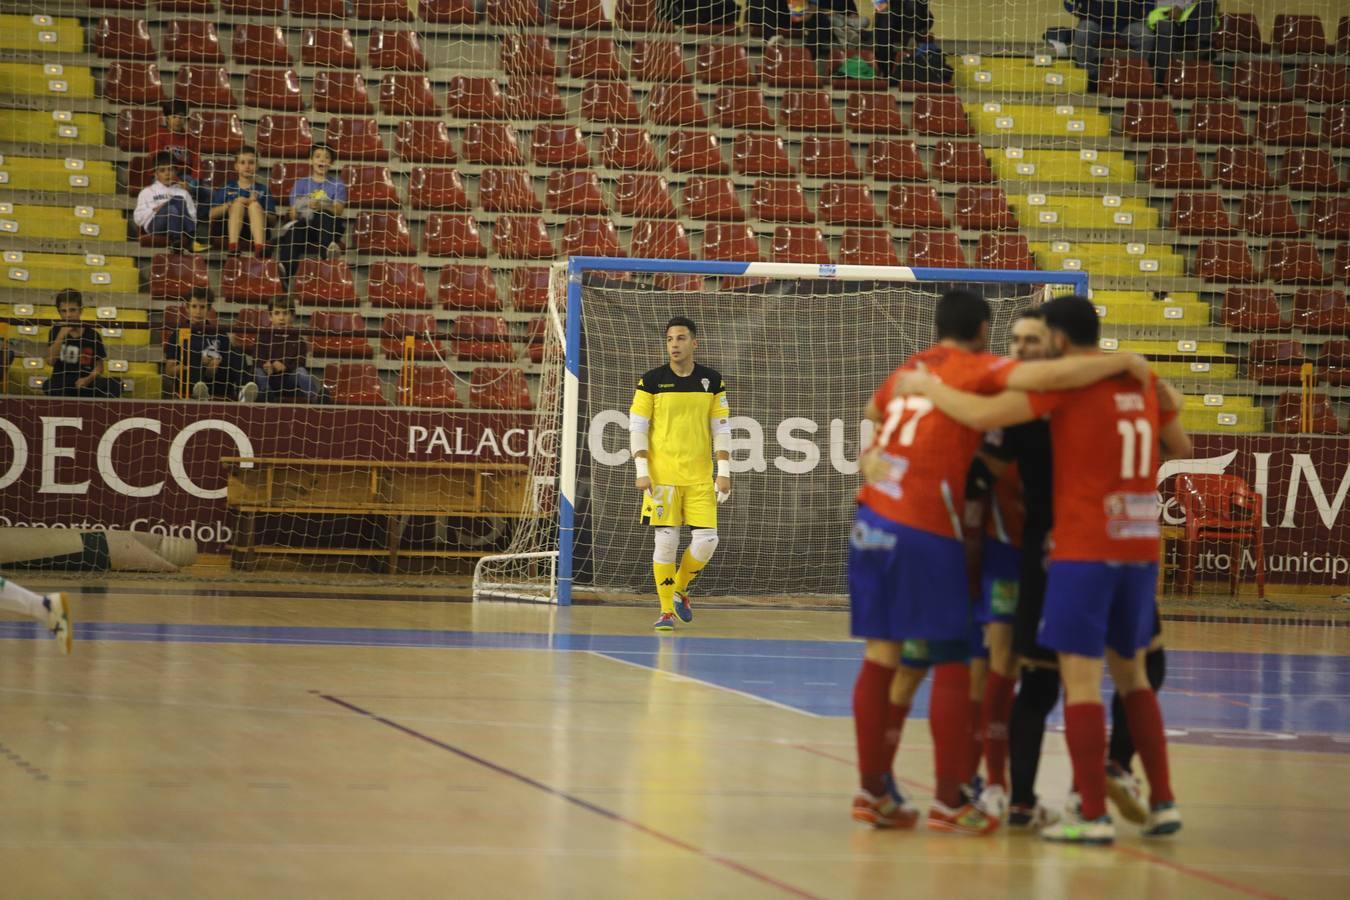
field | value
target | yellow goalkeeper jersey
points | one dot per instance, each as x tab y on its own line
683	412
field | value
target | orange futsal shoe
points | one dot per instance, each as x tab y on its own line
968	819
883	812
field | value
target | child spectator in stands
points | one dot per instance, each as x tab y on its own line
1099	20
205	359
244	204
76	354
165	206
174	140
317	204
281	354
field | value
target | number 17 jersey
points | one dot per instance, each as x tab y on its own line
929	452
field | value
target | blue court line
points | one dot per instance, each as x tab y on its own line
1282	700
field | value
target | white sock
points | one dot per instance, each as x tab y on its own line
21	600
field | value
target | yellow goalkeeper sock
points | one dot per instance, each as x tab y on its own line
665	585
690	566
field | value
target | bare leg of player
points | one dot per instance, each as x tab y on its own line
52	610
1146	727
877	802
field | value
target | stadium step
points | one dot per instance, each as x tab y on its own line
54	271
1027	120
1070	166
1109	260
140	380
31	173
44	34
1182	309
51	127
1108	212
1209	371
20	220
40	80
1222	412
1017	75
132	328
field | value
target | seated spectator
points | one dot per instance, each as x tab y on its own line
244	205
76	354
164	206
281	354
205	359
174	140
1099	20
1175	27
316	226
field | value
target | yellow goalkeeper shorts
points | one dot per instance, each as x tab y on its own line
694	505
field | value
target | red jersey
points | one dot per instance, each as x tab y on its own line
1105	438
930	452
1007	512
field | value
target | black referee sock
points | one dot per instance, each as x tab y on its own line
1036	697
1122	745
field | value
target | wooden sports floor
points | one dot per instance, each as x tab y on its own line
210	740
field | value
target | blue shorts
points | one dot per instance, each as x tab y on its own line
1000	580
1090	606
904	583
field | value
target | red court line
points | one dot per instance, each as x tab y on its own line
577	801
1119	848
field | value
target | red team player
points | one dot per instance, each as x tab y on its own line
1099	597
907	562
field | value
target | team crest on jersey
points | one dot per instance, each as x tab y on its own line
706	384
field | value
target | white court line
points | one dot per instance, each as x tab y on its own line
682	677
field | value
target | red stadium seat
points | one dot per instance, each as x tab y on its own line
507	190
827	157
609	101
185	6
658	61
1323	82
328	47
694	151
789	65
490	144
1150	120
590	236
354	384
499	388
452	234
119	38
529	289
1260	79
873	112
1343	35
356	139
984	209
432	386
643	196
408	95
1224	261
939	114
1126	76
1311	170
1321	311
318	9
397	328
176	317
574	193
1288	416
216	172
530	54
578	14
204	86
434	187
741	107
1202	214
760	154
341	92
521	237
382	234
512	12
594	57
338	334
173	276
799	244
1252	309
1268	215
1217	122
258	44
730	242
891	160
534	98
935	249
627	148
848	203
1004	251
639	15
247	323
191	41
468	287
1295	262
660	239
1194	79
711	199
382	10
215	132
915	206
807	110
1275	361
422	141
135	83
246	279
396	49
1329	217
779	201
282	177
1238	33
559	145
1284	125
475	97
1176	167
1298	34
675	104
324	282
1335	363
447	12
397	285
867	247
1241	167
536	332
273	89
286	137
1340	268
370	187
723	64
961	162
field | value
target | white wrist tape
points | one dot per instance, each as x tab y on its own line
640	463
724	468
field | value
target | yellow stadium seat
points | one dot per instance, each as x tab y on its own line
93	272
1031	120
46	79
1109	212
67	175
131	328
40	33
83	223
1071	166
1042	74
27	374
1222	412
1178	310
51	127
1181	371
1117	260
141	380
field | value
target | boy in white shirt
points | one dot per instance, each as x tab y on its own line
165	206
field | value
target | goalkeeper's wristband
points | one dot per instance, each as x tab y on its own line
640	463
724	468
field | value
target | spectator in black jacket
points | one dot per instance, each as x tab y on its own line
206	360
76	354
1102	19
1175	27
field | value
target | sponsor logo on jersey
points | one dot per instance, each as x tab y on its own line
865	537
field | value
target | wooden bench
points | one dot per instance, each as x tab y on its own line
394	490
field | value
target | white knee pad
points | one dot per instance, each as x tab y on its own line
666	543
703	543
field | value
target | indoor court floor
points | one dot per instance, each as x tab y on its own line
236	740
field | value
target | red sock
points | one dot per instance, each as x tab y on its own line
871	698
259	249
1150	742
1085	729
895	724
234	248
975	750
994	714
949	721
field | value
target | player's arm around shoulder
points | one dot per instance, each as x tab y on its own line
982	412
1075	371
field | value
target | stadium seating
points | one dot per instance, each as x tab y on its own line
419	140
1334	363
328	47
436	187
867	247
729	241
397	328
529	289
1260	80
1150	120
1296	33
507	190
760	154
1224	261
643	195
521	237
370	187
432	386
675	104
574	192
590	236
741	107
1217	122
490	144
1252	309
935	249
247	323
628	148
1193	79
277	89
594	57
694	151
324	282
284	137
1004	251
408	95
382	234
356	384
807	110
1126	76
1321	311
246	279
530	54
711	199
121	38
173	276
960	162
872	112
1277	362
660	239
1336	125
558	145
1311	170
259	44
723	64
199	85
779	201
1323	82
133	83
915	206
397	285
338	334
190	41
1295	262
1268	215
1241	167
499	388
1201	213
536	98
1329	217
1175	167
848	203
827	157
799	244
1284	125
788	65
939	115
341	92
984	209
658	61
894	160
396	49
452	234
356	139
470	287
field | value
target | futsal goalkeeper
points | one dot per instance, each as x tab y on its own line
678	421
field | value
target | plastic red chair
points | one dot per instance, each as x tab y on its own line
341	92
521	237
507	190
328	47
354	384
760	154
1150	120
419	140
609	101
1192	79
1298	34
741	107
396	285
529	289
1242	167
628	148
1336	125
273	89
658	61
1176	167
1295	414
475	97
499	388
779	201
382	234
452	234
788	65
711	199
204	86
1295	262
694	151
1217	122
984	209
247	323
1202	214
356	139
827	157
559	145
534	98
1220	508
1321	311
1284	125
319	9
1334	363
491	144
191	40
915	206
799	244
1004	251
731	242
1126	76
370	187
807	110
1323	82
432	386
594	57
675	104
285	137
848	203
891	160
939	115
867	247
398	327
590	236
530	54
482	339
246	279
1277	362
259	44
382	10
1268	215
723	64
324	282
1329	217
643	196
338	334
467	287
1224	261
1260	79
961	162
660	239
574	192
173	276
408	95
1311	170
935	249
120	38
396	49
873	112
1238	33
133	83
1252	309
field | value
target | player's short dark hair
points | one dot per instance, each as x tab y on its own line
1076	317
685	322
1034	312
202	293
247	148
174	108
164	158
324	147
960	315
69	295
